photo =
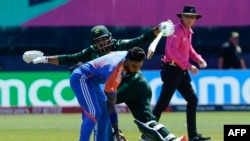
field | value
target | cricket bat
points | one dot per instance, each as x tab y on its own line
152	46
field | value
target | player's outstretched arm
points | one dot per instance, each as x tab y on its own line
36	56
47	59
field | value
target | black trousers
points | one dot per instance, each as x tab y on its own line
174	78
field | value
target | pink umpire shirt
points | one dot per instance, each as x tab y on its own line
179	47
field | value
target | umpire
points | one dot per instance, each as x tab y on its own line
175	67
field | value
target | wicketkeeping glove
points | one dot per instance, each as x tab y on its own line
29	56
167	27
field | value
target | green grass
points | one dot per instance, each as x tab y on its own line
65	127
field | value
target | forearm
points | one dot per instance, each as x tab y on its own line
112	110
156	30
114	120
53	60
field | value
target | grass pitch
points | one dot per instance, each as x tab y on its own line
65	127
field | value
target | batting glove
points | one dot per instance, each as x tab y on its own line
43	59
29	56
167	27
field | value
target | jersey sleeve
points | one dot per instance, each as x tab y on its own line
114	79
140	41
82	56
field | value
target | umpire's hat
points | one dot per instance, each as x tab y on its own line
189	10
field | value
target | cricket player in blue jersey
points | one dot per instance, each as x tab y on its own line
98	104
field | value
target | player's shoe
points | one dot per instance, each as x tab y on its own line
199	137
182	138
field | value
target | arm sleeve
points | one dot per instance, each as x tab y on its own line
139	41
82	56
194	55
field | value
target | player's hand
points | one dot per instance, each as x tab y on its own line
43	59
119	136
193	69
30	55
167	27
202	63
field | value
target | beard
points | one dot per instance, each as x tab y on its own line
129	71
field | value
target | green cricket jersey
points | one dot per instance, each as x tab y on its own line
88	54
